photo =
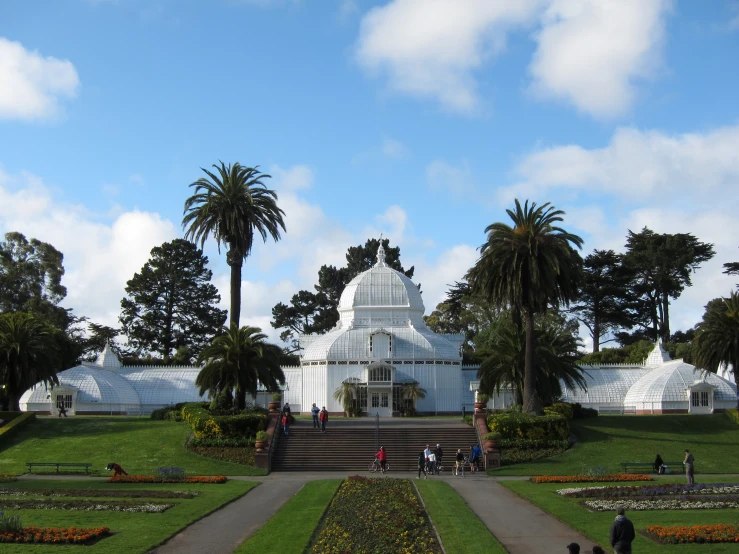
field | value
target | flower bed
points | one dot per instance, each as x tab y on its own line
651	490
694	534
61	535
665	504
237	455
375	516
590	478
98	493
86	505
216	479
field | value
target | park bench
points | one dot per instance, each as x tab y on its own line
57	465
648	466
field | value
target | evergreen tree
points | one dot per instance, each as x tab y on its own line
171	303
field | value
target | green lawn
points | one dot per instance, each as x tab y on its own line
290	530
461	531
132	532
138	444
606	441
596	525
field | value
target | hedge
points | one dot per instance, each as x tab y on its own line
205	425
515	425
16	423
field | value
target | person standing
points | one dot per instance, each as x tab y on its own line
459	462
439	454
426	454
286	423
688	463
422	465
323	418
315	410
382	456
432	463
622	533
658	463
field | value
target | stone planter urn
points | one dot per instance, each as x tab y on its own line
490	445
480	406
261	445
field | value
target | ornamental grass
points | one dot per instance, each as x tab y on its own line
694	534
590	478
204	479
54	535
376	516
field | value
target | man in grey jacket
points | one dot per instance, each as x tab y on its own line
622	533
688	463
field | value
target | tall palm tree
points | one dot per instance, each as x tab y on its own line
412	392
28	354
528	267
239	360
233	205
717	337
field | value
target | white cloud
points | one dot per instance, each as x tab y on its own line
298	177
637	165
389	149
430	48
591	54
447	268
30	84
457	180
394	148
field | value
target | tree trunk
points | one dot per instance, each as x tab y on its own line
240	399
531	403
236	261
518	397
596	336
14	402
665	317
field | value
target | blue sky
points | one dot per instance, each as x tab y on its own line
420	119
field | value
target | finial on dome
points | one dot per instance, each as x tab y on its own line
380	255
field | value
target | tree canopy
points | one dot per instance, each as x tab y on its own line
316	312
171	303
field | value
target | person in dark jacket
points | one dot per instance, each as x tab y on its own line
658	463
573	548
422	465
622	533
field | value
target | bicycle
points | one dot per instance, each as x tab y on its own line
375	466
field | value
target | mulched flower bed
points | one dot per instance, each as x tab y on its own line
52	535
216	479
81	504
237	455
375	516
98	493
683	503
641	491
590	478
694	534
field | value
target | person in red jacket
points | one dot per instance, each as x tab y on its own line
323	418
382	456
117	469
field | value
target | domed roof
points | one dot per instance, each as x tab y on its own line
381	287
669	383
95	385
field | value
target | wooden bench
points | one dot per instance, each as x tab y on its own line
642	466
57	465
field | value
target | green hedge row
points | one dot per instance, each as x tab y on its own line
519	425
16	423
205	425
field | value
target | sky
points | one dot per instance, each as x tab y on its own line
422	120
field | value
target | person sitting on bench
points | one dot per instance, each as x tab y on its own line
118	470
659	464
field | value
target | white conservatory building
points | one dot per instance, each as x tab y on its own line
379	344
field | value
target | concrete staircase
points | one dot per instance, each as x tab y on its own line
349	447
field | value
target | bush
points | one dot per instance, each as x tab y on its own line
206	425
222	442
560	408
262	436
10	524
493	436
518	425
580	413
481	397
276	396
168	413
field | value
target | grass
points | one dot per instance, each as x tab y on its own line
132	532
138	444
290	530
606	441
461	531
596	525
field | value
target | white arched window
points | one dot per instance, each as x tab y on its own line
381	345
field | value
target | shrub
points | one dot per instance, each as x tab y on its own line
206	425
519	425
262	436
560	408
481	397
10	524
224	442
493	436
579	412
168	413
276	396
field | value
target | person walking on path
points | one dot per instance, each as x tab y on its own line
286	423
459	462
422	465
474	456
323	418
622	533
315	410
382	456
688	463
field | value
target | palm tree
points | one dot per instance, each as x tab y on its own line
717	337
528	267
239	360
347	395
556	357
28	355
412	392
233	204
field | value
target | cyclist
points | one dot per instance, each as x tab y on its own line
382	456
460	462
